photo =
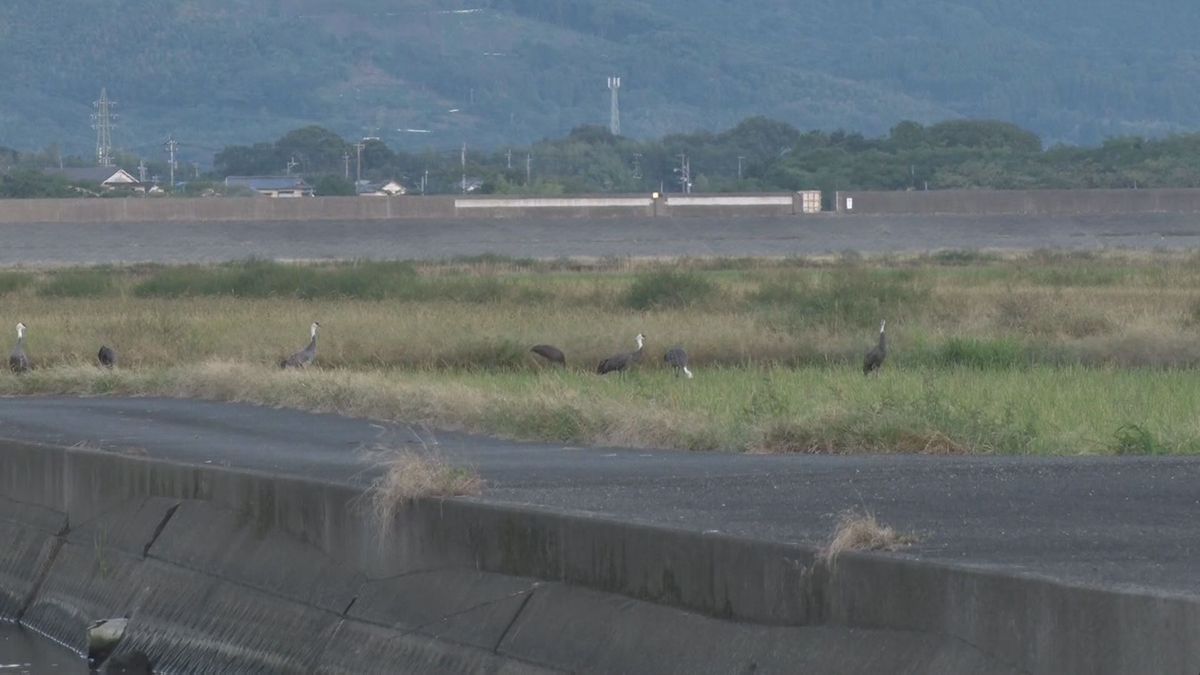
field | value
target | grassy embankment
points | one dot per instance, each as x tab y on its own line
1045	353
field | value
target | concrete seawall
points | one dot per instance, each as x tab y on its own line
239	570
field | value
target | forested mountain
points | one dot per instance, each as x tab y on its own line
498	72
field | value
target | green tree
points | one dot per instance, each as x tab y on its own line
330	185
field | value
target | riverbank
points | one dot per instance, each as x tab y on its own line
570	554
1044	353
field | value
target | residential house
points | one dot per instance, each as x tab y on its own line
100	177
272	186
389	188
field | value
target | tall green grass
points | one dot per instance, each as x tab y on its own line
1038	411
669	289
79	283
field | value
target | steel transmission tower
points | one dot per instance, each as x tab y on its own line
102	122
614	116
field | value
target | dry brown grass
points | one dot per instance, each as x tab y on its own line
410	475
860	531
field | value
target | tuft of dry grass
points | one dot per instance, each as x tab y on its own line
410	475
860	531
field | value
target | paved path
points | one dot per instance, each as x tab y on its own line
57	244
1124	521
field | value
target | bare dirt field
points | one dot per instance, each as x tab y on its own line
60	244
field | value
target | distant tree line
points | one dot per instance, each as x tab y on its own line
758	154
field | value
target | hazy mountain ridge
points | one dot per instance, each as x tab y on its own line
215	72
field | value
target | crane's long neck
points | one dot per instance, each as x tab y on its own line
882	339
21	337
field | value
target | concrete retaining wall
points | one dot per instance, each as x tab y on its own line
349	209
234	570
1019	202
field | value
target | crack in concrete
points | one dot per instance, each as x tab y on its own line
56	544
158	530
513	621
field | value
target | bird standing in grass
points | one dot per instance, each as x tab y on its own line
550	353
619	363
678	359
874	358
107	356
304	357
18	360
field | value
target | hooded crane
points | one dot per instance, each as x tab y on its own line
107	356
18	361
874	358
620	362
550	353
304	357
678	359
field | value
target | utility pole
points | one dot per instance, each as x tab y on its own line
424	182
464	168
740	158
102	122
358	172
292	163
142	171
171	145
346	163
614	115
528	168
508	155
685	174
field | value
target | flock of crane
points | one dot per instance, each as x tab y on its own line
676	357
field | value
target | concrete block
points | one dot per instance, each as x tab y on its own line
362	649
183	619
129	526
28	540
583	631
85	583
471	608
254	553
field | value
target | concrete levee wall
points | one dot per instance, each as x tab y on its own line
1018	202
349	209
235	570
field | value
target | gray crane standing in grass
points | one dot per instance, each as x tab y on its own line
304	357
619	363
874	358
18	360
678	359
107	356
550	353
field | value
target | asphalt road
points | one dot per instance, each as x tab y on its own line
1122	521
60	244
